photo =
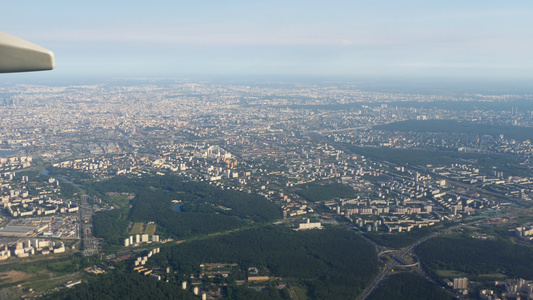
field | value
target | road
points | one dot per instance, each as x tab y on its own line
399	259
408	251
395	263
89	244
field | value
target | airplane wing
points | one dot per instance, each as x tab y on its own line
18	55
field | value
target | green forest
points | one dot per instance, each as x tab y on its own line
409	286
334	263
122	285
205	209
476	258
503	162
246	293
454	126
133	286
111	225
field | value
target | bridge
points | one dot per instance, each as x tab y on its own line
387	251
401	263
416	264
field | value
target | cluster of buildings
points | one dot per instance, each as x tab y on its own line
15	162
27	247
141	260
215	289
95	270
65	227
134	240
460	283
525	232
86	164
251	138
40	206
513	187
269	140
402	199
156	273
513	289
21	198
307	224
196	290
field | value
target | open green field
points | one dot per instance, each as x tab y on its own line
48	283
450	273
453	274
493	276
118	200
150	228
137	228
301	292
43	273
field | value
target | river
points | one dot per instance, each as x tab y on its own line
6	153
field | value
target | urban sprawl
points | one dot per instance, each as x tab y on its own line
276	140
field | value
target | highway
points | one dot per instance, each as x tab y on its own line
398	259
396	263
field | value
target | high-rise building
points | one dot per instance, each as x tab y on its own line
460	283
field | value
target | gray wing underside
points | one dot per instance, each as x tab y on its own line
18	55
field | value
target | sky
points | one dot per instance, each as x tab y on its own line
330	39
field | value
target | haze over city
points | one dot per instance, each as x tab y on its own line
357	39
267	150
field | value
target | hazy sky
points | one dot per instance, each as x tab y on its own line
465	39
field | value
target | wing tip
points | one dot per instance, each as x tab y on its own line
18	55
